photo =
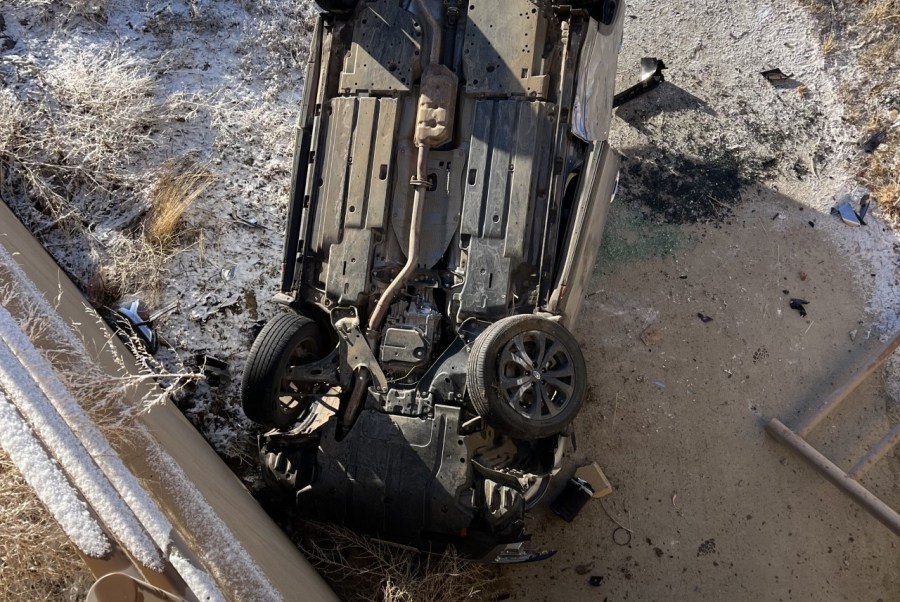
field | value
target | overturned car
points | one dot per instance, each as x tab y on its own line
451	182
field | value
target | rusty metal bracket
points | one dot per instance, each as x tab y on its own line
847	482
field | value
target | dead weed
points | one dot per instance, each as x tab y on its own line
363	569
867	33
37	560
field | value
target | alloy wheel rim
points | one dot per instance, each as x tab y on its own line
536	375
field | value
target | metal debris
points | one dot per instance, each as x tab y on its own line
799	304
651	77
248	221
847	214
858	196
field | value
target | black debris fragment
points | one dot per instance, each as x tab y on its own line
874	141
651	77
596	580
215	370
786	292
572	499
775	75
704	318
811	223
799	304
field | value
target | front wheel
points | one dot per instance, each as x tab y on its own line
527	376
267	396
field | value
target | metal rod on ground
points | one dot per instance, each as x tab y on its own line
862	496
837	398
887	443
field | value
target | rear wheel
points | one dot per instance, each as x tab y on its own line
267	396
527	377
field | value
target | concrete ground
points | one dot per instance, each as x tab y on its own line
723	211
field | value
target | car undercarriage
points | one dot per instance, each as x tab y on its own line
451	182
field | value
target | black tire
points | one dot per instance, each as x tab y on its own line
267	398
548	394
338	7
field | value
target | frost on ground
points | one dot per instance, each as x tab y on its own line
106	103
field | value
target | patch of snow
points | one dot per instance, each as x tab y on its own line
225	557
123	480
90	436
65	446
198	580
48	482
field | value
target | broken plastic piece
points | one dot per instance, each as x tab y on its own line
704	318
572	499
799	304
229	273
651	77
215	370
515	553
141	324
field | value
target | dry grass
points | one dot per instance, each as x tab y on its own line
881	13
867	33
362	569
37	560
178	186
69	142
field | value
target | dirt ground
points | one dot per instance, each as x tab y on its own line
723	211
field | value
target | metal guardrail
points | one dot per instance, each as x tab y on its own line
846	481
278	568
